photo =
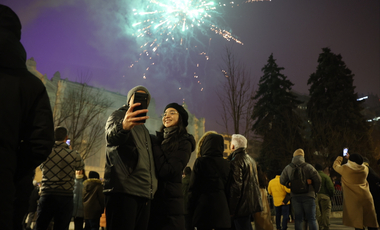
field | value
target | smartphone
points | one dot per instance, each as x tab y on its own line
68	142
345	151
143	99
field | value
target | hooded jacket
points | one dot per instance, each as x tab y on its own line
310	173
27	135
93	198
358	206
129	164
277	191
243	188
208	204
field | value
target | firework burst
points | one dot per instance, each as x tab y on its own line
172	26
175	20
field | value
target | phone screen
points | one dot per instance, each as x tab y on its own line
345	151
68	142
143	99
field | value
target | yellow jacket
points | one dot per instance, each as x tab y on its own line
277	191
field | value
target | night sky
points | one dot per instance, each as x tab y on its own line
95	37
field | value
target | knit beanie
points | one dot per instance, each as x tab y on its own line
357	158
298	152
181	111
93	174
135	89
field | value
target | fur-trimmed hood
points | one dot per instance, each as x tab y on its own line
90	184
92	180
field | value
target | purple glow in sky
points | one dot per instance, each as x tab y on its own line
73	37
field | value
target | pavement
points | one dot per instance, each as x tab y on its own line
335	224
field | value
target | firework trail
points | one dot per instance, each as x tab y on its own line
174	29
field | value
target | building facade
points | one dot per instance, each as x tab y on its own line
57	88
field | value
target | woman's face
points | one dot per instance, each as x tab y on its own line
170	117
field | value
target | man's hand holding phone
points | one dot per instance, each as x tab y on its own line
132	118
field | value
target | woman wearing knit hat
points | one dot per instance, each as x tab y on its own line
172	149
358	207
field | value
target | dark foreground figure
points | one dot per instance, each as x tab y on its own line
26	125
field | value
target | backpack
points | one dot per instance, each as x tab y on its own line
298	180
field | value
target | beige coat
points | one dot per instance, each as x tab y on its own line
263	219
358	208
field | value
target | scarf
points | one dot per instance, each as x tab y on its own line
168	133
79	176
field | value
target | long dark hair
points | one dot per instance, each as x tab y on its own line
263	180
174	139
84	174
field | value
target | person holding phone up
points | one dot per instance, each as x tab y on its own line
172	149
358	209
129	178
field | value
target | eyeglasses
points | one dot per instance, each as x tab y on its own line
171	113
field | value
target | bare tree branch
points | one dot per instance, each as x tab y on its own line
236	95
81	110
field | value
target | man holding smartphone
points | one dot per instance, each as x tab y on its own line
129	178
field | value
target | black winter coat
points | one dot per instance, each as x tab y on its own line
33	199
26	120
167	207
208	205
374	187
243	188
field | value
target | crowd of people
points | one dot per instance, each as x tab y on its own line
147	184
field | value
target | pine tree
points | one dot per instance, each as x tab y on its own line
333	110
275	118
